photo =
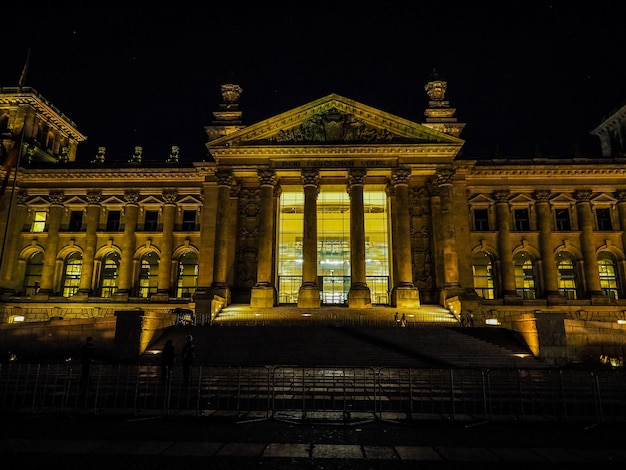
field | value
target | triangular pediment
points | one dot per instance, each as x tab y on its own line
604	198
480	200
563	199
189	200
75	200
113	201
334	120
151	200
521	200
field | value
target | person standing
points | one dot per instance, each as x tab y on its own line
189	353
403	321
168	360
87	352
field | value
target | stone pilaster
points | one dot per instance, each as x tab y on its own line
55	218
164	280
89	250
219	287
548	264
505	245
129	241
587	245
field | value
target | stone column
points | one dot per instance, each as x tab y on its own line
359	295
264	293
448	235
55	218
91	239
309	292
405	294
548	264
505	245
585	223
208	215
219	286
12	278
621	212
164	280
131	214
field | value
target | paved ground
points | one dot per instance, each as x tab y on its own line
77	441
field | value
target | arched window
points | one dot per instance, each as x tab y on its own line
483	275
608	275
567	276
148	275
32	277
524	276
71	273
108	274
187	275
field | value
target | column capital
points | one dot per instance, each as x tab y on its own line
502	195
445	176
583	195
542	195
621	195
267	177
94	197
224	177
400	176
131	197
170	196
22	197
310	177
56	197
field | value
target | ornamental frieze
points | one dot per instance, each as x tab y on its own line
333	126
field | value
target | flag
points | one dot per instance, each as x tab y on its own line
12	161
24	70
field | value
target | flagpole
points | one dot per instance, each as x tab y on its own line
5	236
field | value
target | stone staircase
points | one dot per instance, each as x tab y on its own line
351	346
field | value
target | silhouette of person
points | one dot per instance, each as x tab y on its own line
396	320
87	352
168	359
189	353
403	320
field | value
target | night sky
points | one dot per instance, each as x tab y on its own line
528	78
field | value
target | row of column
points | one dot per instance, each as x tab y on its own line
264	292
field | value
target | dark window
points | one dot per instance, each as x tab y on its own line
76	221
562	219
189	220
113	221
481	220
522	221
152	221
603	216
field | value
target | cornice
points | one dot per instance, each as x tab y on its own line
547	172
435	150
116	175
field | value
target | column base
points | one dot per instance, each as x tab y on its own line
221	290
406	297
263	297
359	297
309	297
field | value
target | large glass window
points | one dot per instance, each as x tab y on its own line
71	273
524	276
108	274
148	275
377	245
187	275
39	221
608	276
567	276
34	268
290	246
481	220
483	275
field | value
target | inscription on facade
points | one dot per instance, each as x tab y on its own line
333	164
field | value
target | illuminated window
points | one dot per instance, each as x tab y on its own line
608	276
71	274
187	275
524	276
39	221
34	268
483	275
108	274
567	276
148	274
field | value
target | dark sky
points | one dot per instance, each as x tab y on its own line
525	77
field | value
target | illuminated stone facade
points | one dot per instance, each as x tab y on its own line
333	202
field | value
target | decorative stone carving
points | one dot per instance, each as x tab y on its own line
56	197
583	195
333	126
542	195
224	177
174	154
249	202
94	197
501	195
22	197
267	177
64	157
170	196
137	155
310	177
100	156
131	197
445	176
621	195
400	176
231	93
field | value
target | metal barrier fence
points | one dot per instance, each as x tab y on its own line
346	393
